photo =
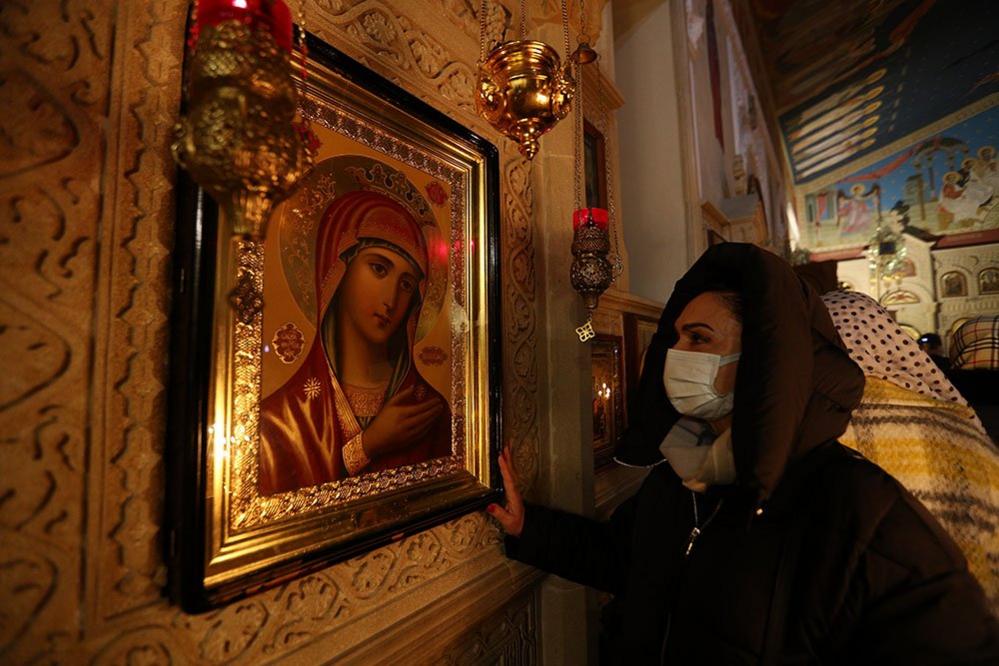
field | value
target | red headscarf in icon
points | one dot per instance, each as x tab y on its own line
306	423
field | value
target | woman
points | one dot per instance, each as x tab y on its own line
358	404
914	424
757	537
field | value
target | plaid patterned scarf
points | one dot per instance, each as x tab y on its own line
934	450
976	344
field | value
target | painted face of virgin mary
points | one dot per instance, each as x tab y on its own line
377	292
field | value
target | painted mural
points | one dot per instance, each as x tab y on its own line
945	183
851	78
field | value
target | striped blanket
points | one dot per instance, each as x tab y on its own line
944	460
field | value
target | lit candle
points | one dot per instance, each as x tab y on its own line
272	15
598	215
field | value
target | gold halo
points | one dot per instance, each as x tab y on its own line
299	217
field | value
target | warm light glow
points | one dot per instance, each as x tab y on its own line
239	3
440	249
220	442
457	246
793	233
599	217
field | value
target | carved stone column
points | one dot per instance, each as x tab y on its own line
566	455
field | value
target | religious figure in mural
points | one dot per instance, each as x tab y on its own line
961	199
944	183
988	281
986	170
954	285
858	210
358	403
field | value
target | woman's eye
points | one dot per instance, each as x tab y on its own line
378	269
698	339
407	285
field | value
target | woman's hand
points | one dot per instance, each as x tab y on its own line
511	516
399	423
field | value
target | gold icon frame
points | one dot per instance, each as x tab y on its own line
226	540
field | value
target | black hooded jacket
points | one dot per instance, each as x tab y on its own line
814	555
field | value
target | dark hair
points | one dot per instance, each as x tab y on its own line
930	339
735	303
733	299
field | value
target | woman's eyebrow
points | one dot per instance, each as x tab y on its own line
383	258
696	324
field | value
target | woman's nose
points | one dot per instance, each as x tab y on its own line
390	295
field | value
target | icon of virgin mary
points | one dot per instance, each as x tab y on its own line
358	403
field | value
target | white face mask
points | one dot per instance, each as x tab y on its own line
689	378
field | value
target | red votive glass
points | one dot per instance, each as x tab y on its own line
272	15
598	215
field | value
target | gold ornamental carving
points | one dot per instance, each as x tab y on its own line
238	139
138	54
523	90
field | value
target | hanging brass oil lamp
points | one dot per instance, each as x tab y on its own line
523	87
591	272
595	264
238	138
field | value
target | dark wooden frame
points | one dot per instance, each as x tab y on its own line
604	455
601	165
632	353
191	353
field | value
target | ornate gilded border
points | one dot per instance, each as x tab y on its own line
239	451
244	536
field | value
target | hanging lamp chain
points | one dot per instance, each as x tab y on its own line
192	39
615	229
578	73
565	28
579	153
616	260
482	30
303	49
523	19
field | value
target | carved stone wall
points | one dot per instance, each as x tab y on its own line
90	90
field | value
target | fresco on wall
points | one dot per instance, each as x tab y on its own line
945	184
852	77
988	281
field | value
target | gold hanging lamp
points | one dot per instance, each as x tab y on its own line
238	137
524	88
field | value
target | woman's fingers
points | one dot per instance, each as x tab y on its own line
419	425
505	518
422	414
420	408
509	476
511	516
402	396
